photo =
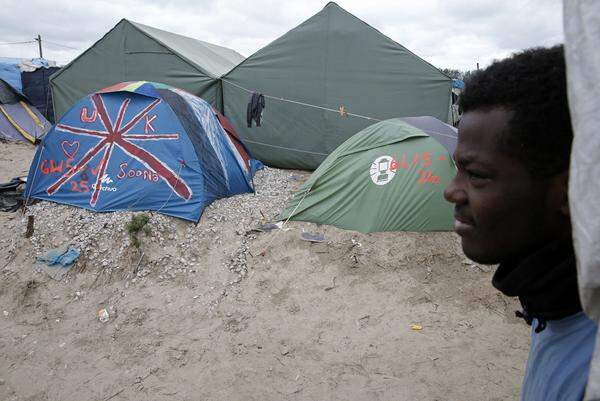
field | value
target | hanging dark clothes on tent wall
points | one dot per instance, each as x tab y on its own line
255	108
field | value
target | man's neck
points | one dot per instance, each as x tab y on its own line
545	282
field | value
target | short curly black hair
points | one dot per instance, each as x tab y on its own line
532	86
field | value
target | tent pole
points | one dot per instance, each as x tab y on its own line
39	40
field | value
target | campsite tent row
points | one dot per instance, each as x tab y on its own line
324	80
149	146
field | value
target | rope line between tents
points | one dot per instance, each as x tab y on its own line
60	45
17	43
303	103
283	147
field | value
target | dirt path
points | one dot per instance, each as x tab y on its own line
213	312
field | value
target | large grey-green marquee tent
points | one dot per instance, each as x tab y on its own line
321	80
135	52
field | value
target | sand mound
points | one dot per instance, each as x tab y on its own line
218	311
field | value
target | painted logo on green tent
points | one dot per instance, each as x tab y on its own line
408	164
383	170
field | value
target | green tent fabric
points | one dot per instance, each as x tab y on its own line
388	177
135	52
331	60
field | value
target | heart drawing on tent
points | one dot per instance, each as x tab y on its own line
70	149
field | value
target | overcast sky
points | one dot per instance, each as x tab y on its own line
447	33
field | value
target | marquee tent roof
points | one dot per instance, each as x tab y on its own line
325	80
134	52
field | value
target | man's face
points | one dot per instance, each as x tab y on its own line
502	212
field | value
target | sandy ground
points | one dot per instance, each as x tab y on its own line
327	321
15	159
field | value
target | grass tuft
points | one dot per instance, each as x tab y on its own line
137	224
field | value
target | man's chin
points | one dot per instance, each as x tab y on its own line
478	254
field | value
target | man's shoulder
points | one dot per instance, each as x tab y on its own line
578	325
559	360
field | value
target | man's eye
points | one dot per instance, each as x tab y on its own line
476	175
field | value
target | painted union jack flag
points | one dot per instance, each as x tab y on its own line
118	134
141	146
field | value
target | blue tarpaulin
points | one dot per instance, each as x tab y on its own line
458	84
11	73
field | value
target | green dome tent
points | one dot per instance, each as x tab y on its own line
388	177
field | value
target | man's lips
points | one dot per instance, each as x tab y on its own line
462	225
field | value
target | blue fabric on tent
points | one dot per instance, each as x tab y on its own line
40	63
11	73
147	89
232	176
458	84
123	150
214	179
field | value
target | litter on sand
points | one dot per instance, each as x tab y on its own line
318	237
103	315
11	195
64	256
59	261
268	227
416	327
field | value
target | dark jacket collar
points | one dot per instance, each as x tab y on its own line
545	282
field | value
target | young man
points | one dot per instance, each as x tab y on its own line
511	209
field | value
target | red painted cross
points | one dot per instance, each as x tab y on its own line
115	135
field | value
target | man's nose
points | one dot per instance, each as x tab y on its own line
454	193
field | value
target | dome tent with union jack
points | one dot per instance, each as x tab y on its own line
141	146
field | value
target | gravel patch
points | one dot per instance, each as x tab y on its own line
173	246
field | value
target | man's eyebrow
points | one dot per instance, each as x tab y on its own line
464	158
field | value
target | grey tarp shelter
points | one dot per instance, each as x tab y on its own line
135	52
331	60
